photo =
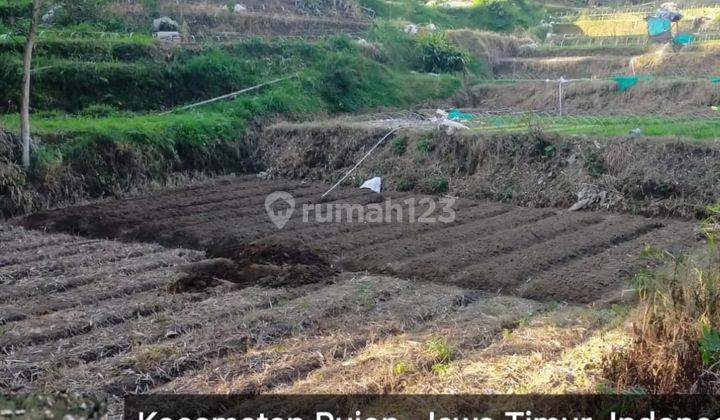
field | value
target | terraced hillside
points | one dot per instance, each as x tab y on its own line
193	288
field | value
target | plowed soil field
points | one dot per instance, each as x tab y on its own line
197	290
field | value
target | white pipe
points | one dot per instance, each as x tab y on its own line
230	95
361	161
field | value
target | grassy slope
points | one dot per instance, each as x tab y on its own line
93	146
105	151
698	128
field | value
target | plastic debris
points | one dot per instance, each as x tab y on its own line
626	82
444	121
374	184
239	8
411	29
684	39
457	115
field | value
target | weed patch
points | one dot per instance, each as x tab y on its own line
435	184
677	341
399	146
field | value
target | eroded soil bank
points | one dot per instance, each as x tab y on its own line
647	176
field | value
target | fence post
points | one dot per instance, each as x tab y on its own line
560	95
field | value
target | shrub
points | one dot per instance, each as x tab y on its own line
541	148
594	164
404	183
424	146
435	184
342	43
399	146
13	12
350	82
441	353
504	15
438	55
72	12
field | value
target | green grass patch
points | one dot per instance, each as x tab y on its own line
105	150
682	126
339	72
108	49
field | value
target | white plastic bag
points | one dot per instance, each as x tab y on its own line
374	184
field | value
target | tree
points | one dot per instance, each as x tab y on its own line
25	99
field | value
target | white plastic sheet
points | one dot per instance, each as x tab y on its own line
374	184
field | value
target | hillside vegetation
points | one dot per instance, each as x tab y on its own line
100	81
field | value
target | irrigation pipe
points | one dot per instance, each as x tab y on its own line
231	95
361	161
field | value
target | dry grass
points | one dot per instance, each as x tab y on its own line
488	46
559	351
674	177
416	361
675	347
659	63
601	97
621	24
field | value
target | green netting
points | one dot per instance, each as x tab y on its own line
684	39
715	79
626	82
497	121
455	114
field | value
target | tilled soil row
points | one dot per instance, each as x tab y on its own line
163	357
186	314
489	246
104	316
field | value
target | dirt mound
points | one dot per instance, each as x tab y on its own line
263	263
263	251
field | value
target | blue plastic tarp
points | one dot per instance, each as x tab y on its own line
658	26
